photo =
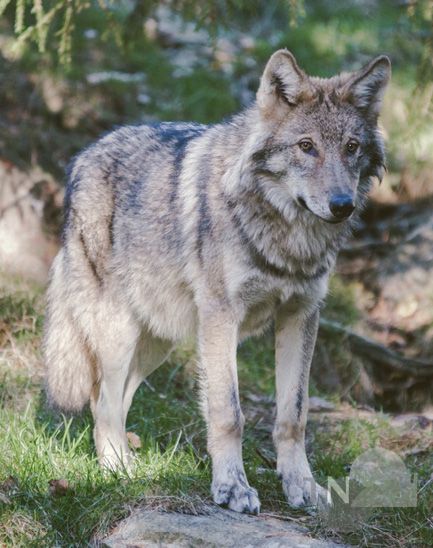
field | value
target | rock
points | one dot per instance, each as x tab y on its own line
96	78
216	528
29	204
320	404
412	421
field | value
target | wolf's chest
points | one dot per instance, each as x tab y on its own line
259	298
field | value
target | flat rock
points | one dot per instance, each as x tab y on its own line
215	528
317	404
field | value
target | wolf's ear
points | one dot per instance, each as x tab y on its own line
282	82
365	89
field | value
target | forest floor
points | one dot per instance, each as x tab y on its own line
53	493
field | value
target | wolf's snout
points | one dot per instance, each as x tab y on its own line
341	206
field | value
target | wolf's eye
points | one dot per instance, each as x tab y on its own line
352	146
305	145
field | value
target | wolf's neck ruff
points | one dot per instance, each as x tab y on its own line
276	245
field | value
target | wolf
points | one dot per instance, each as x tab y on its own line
181	230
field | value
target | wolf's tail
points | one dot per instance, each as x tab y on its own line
71	369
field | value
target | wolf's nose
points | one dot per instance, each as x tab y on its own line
341	206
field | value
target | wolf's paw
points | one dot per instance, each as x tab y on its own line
119	462
303	491
237	495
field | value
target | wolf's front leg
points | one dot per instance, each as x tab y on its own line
220	400
295	337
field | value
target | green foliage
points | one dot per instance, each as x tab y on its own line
34	452
325	37
340	303
256	365
36	20
33	23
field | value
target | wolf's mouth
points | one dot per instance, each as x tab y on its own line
303	204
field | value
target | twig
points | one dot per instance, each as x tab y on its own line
377	352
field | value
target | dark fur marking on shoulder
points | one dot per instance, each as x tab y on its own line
171	132
177	170
89	260
204	226
110	228
179	138
174	128
174	234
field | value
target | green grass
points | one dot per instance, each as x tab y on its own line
38	446
37	453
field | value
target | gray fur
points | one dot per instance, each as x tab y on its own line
180	230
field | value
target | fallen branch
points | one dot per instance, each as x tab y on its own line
376	352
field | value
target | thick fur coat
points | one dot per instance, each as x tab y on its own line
180	230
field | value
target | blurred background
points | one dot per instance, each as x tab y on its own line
70	70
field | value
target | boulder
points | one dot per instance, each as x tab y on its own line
214	528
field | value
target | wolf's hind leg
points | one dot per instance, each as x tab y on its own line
295	334
122	373
114	349
220	402
150	353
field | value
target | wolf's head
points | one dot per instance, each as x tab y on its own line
319	144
